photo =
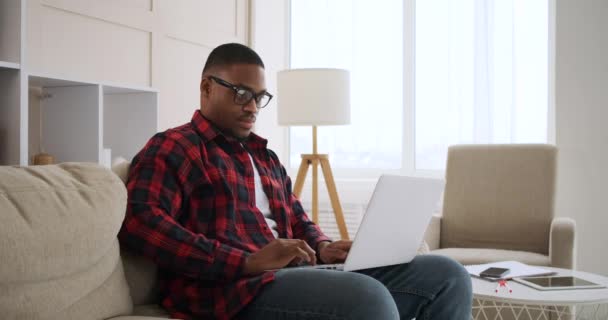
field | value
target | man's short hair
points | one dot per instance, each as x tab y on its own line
232	53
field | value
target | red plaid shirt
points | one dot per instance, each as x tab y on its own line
192	210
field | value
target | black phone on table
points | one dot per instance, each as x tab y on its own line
494	272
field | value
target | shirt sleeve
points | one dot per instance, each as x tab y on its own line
157	180
303	228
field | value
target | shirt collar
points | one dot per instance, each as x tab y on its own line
208	131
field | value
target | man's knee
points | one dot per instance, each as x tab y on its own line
459	280
368	298
447	264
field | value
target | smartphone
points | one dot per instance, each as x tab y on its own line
494	272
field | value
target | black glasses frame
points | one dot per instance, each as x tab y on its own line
240	91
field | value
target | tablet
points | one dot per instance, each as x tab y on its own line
558	283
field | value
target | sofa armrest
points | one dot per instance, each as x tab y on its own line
433	232
562	250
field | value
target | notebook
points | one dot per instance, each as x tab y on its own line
516	269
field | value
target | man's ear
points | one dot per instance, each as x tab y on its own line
205	87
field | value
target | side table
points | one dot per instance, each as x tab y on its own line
528	303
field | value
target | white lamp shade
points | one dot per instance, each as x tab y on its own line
313	97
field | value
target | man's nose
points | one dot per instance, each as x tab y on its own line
251	106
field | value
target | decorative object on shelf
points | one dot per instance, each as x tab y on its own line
315	97
42	159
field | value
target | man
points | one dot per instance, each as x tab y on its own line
213	207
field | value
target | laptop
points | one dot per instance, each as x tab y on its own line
394	223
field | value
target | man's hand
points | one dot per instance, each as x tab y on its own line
278	254
334	252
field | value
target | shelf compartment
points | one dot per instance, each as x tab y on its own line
69	119
129	119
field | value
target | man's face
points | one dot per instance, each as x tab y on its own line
218	101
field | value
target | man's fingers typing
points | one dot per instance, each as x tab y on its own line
301	254
343	245
311	253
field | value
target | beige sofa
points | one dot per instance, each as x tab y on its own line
59	256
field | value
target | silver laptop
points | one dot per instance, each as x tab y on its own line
394	223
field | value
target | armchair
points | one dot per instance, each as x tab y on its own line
499	205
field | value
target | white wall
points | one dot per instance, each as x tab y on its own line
581	87
269	38
157	43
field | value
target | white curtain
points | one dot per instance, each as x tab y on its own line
364	37
481	74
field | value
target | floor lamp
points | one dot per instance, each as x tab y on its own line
315	97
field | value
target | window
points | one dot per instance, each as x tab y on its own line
480	76
337	34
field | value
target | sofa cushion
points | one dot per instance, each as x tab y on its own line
138	318
58	247
150	310
468	256
120	166
141	274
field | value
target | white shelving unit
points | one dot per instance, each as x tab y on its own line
10	113
9	65
81	121
71	119
11	80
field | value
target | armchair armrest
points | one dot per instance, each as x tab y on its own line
433	232
562	250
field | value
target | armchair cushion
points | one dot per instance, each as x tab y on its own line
468	256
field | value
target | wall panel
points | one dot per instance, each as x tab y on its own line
83	47
181	64
201	21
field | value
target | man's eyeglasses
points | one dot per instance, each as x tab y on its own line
243	96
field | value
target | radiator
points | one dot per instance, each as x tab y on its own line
353	213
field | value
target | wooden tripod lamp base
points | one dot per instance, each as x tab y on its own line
315	160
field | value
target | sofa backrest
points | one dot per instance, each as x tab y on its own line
59	254
499	196
141	273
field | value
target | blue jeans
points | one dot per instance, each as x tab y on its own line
429	287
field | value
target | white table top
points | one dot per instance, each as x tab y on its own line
522	294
